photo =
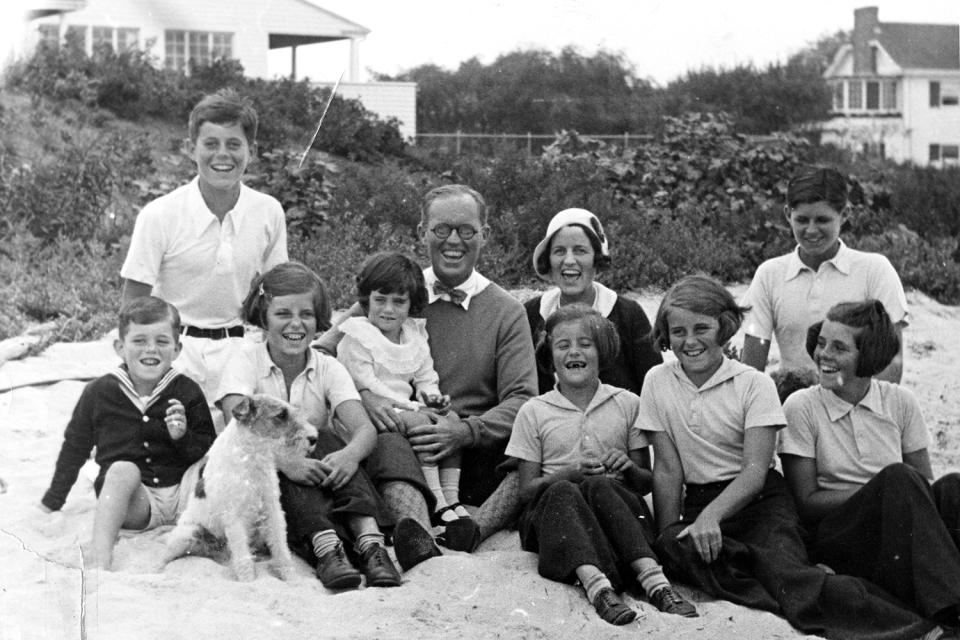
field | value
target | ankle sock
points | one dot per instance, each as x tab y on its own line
650	576
450	485
593	580
366	540
324	542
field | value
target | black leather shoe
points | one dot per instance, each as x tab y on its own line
413	544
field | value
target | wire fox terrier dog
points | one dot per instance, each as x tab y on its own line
238	495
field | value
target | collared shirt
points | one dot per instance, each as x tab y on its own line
553	431
473	285
852	443
316	392
199	264
603	300
786	297
707	424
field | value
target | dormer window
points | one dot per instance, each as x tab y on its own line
874	56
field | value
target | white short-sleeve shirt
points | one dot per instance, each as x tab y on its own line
316	392
198	264
707	424
553	431
786	297
852	443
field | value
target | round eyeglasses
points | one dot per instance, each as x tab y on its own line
443	231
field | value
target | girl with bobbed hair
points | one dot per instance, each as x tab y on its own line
791	292
855	454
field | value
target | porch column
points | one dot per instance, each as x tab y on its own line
354	75
293	62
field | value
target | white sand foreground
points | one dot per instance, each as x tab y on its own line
494	593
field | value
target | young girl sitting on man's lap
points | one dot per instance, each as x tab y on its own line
387	353
584	466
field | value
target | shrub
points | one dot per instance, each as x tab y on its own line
72	282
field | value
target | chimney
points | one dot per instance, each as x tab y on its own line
866	27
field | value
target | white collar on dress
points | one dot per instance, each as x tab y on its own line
472	286
603	301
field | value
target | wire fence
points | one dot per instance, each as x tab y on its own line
458	142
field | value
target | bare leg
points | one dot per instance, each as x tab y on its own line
123	502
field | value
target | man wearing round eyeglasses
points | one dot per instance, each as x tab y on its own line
482	350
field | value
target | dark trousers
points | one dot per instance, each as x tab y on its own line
764	565
310	509
900	533
598	522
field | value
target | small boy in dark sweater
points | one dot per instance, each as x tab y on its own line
150	425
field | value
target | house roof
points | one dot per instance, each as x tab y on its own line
921	46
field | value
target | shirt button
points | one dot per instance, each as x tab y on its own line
146	419
156	481
146	445
149	460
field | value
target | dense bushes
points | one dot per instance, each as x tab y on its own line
130	85
699	197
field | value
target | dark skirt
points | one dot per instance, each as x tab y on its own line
764	565
597	522
900	533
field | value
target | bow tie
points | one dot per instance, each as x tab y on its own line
452	294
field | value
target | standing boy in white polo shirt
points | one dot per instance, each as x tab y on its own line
199	246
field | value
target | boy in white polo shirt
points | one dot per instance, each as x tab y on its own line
199	246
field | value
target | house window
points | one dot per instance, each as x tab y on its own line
49	35
198	47
873	95
76	37
838	96
102	39
874	55
855	98
127	38
950	94
220	46
934	94
890	96
945	152
175	50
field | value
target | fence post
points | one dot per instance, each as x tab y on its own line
458	142
529	144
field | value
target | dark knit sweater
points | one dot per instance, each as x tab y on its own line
106	418
484	357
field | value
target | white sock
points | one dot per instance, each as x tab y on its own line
432	475
593	580
450	483
650	576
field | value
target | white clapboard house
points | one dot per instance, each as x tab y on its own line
179	31
896	91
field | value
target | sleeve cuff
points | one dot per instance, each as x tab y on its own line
476	428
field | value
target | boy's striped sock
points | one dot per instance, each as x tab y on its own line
365	540
650	576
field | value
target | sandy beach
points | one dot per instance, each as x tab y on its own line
45	593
